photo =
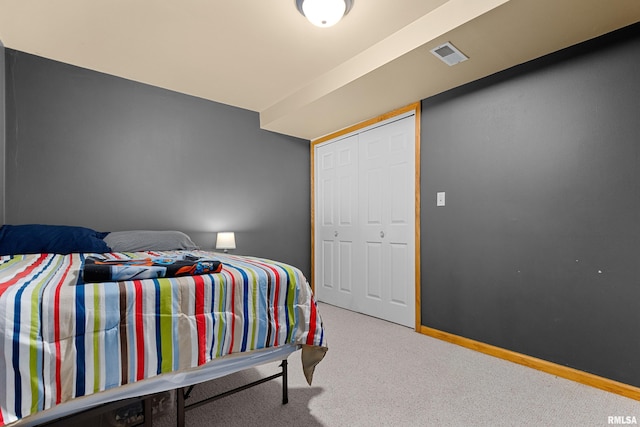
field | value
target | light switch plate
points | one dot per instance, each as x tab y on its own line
440	199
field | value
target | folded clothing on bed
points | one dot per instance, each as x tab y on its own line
98	269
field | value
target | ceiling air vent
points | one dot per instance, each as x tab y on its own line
449	54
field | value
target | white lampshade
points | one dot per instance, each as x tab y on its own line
324	13
226	240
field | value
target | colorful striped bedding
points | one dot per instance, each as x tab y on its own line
61	338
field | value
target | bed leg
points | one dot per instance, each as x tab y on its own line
180	407
285	383
147	411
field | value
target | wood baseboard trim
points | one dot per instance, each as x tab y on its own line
572	374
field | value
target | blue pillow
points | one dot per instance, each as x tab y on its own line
55	239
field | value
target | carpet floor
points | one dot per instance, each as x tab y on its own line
378	373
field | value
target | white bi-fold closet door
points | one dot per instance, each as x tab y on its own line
364	253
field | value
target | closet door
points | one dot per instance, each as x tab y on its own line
335	223
364	254
387	220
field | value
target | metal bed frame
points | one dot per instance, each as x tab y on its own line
182	395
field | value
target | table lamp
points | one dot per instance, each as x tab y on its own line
226	240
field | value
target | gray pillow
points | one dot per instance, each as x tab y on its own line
148	240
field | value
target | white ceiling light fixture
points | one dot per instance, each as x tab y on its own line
324	13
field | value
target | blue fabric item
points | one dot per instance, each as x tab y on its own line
56	239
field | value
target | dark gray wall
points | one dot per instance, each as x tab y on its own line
2	130
538	247
89	149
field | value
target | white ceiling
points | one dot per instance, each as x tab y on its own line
262	55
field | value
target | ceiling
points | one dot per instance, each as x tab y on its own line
304	81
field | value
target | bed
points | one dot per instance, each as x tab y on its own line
67	344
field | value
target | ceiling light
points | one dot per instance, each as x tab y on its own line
324	13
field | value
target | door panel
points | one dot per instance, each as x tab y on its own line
328	205
373	272
373	185
337	185
346	266
398	263
389	166
327	265
346	205
399	209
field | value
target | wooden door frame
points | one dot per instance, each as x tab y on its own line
415	108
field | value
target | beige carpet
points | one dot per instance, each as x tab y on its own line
377	373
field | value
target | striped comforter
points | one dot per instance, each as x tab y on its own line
61	338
